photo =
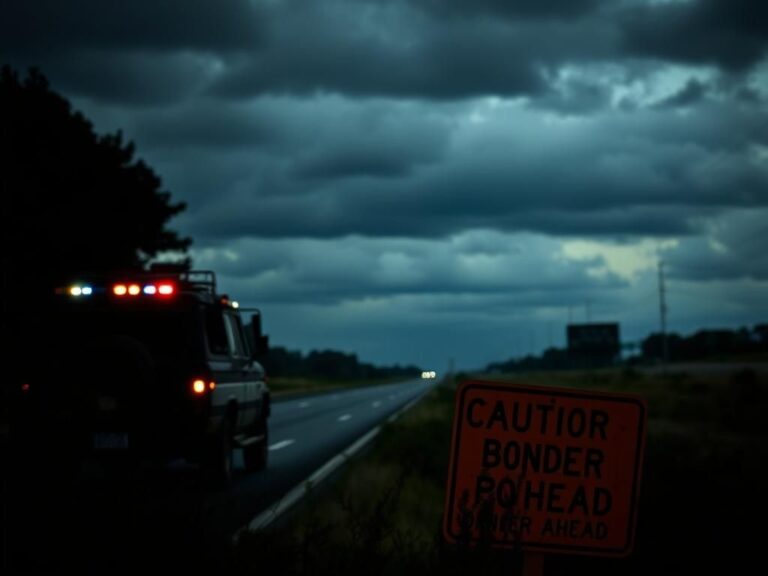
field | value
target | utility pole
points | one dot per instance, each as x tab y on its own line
663	313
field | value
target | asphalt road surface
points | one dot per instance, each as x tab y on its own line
104	518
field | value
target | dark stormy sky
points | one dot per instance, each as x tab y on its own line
419	180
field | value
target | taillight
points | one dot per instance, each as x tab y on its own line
199	387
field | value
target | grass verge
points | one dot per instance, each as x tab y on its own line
702	500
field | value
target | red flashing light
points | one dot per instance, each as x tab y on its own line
166	289
198	386
25	387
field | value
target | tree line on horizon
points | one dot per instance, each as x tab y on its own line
328	365
710	344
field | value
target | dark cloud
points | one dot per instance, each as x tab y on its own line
353	163
208	126
450	64
727	248
574	97
364	160
403	174
313	217
399	50
375	48
732	34
373	152
290	271
692	93
36	28
135	79
513	9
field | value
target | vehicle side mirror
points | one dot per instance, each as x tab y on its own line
260	341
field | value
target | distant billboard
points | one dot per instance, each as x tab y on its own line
594	344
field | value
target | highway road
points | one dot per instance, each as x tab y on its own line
105	519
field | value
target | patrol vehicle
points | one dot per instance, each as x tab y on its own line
158	365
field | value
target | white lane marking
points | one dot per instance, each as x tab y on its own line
344	417
376	404
286	502
281	445
304	405
272	513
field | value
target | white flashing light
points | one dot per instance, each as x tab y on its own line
78	290
150	289
235	304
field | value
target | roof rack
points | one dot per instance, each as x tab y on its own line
195	279
200	279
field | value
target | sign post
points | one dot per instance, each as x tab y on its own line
545	470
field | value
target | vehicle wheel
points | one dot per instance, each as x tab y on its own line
217	460
255	455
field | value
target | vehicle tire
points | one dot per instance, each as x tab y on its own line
256	455
217	460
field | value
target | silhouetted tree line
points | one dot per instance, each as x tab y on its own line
74	202
698	346
708	344
328	364
551	359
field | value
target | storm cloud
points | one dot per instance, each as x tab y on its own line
403	177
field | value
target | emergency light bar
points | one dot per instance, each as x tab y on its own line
156	289
158	283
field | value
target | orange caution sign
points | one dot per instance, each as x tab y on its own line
545	469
